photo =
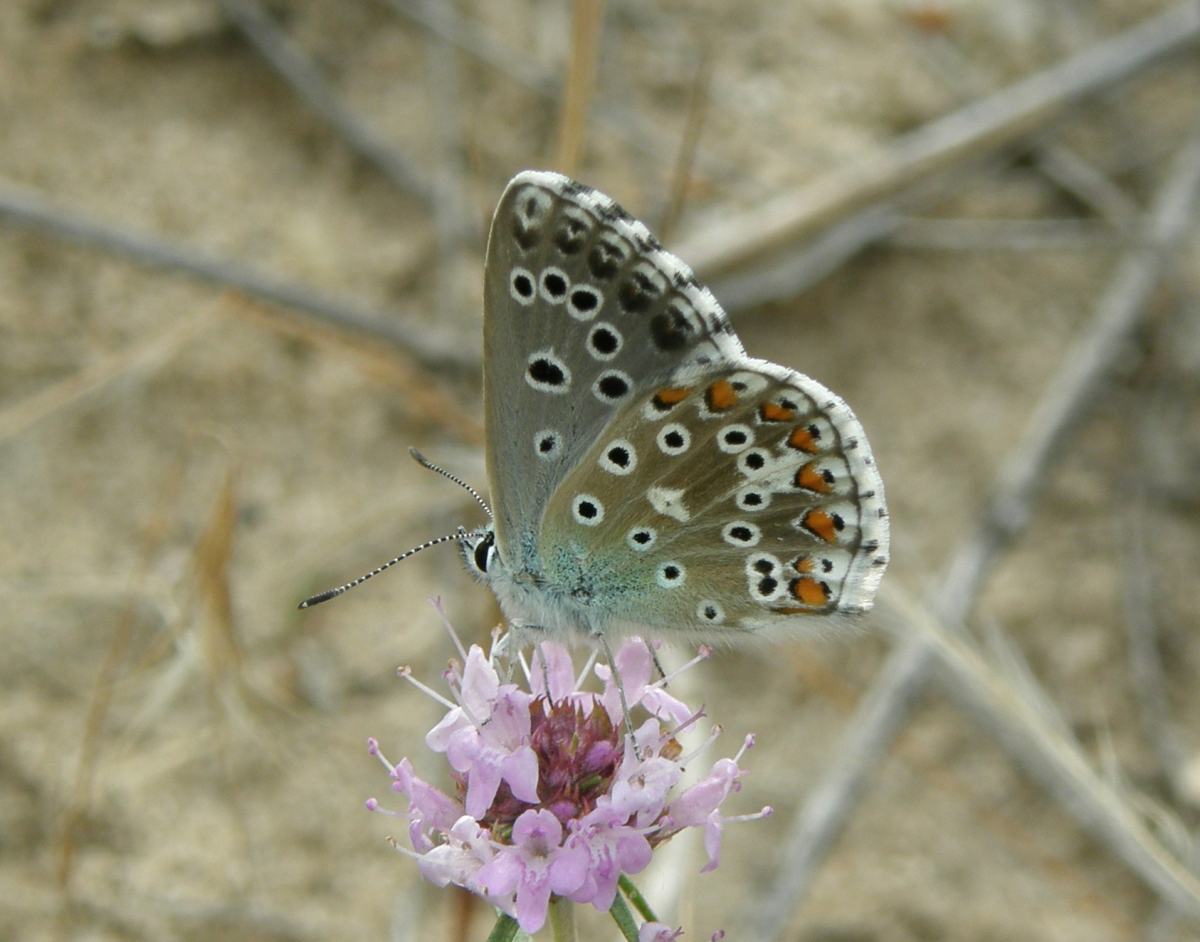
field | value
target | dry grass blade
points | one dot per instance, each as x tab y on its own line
968	133
219	644
697	108
586	29
23	208
885	709
303	77
1053	759
74	389
98	708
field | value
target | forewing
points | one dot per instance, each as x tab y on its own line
583	311
734	497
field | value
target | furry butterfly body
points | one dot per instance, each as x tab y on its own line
646	474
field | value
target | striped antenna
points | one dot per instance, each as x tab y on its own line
426	463
334	593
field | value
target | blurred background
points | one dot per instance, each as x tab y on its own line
240	274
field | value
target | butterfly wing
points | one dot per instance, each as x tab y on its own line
734	497
581	309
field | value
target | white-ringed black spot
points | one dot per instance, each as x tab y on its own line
670	575
531	206
710	611
587	510
752	499
741	533
547	444
763	576
637	292
641	539
606	257
734	438
553	285
604	341
521	286
612	386
547	373
583	302
752	461
619	457
674	439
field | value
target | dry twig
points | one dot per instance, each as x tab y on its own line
968	133
24	208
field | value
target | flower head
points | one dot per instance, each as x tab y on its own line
551	792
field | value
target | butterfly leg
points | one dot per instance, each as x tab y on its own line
598	636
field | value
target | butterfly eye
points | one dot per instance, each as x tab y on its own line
485	551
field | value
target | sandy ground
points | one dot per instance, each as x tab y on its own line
180	464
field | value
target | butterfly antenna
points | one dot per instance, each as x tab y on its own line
426	463
334	593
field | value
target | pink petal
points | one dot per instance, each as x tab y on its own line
569	869
712	842
633	853
483	782
533	899
537	829
552	663
501	876
520	770
480	684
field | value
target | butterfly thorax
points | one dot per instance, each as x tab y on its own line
575	592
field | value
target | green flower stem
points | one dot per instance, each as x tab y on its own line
505	929
624	919
635	897
562	919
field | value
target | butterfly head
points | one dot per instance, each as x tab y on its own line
478	548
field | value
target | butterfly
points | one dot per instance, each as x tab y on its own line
648	477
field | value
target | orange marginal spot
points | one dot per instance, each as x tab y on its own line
802	564
774	412
820	524
804	438
720	396
671	396
809	591
812	479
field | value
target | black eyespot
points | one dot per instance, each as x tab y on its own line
587	509
755	461
523	285
767	585
605	258
735	438
483	552
642	536
838	522
670	330
546	444
710	612
670	573
554	284
584	300
604	341
752	499
764	566
612	386
739	386
547	372
619	456
673	439
827	565
743	534
637	292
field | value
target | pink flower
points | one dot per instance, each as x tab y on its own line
486	737
536	865
549	798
